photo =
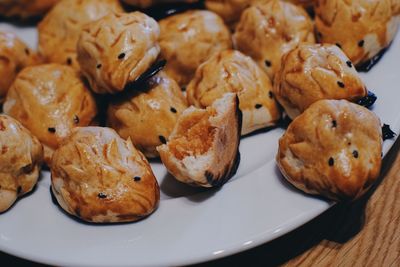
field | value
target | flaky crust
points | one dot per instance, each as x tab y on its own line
229	10
189	39
59	30
99	177
333	149
267	30
50	100
148	114
313	72
14	56
21	156
117	49
25	8
231	71
221	159
361	27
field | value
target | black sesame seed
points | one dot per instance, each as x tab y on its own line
334	124
162	139
361	43
340	84
76	119
271	95
331	161
19	189
268	63
102	195
27	51
338	45
137	178
69	61
98	66
258	106
51	129
349	64
173	110
121	56
355	153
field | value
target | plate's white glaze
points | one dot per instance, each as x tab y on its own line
190	225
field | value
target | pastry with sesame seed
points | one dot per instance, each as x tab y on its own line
21	157
59	30
50	100
231	71
116	50
333	149
99	177
14	56
25	9
362	28
312	72
148	113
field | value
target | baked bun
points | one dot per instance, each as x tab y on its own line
149	3
333	149
50	100
59	30
25	9
190	38
203	149
117	49
267	30
21	157
229	10
362	28
312	72
148	113
304	3
99	177
231	71
14	56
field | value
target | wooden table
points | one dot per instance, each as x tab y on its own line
363	233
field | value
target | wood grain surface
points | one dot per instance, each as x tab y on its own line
363	233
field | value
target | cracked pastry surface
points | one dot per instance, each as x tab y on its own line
270	29
362	28
117	49
50	100
190	38
99	177
203	149
14	56
59	30
313	72
231	71
148	115
149	3
21	156
25	8
333	149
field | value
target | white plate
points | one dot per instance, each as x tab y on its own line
190	225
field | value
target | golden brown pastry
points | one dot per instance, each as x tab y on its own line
229	10
313	72
99	177
25	8
231	71
148	3
117	49
147	115
50	100
333	149
304	3
203	149
269	29
21	157
362	28
190	38
59	30
14	56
